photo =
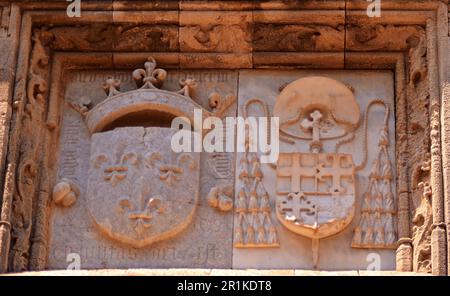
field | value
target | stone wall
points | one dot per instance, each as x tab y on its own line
52	67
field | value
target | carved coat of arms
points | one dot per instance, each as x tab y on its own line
316	186
139	191
316	192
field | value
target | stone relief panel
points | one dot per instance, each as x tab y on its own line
128	185
123	199
331	192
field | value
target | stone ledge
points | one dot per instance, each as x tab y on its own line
210	272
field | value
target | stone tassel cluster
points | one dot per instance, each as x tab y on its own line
254	227
377	227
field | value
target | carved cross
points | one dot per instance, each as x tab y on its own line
295	205
313	125
336	172
295	171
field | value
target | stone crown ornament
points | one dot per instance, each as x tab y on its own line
148	97
139	190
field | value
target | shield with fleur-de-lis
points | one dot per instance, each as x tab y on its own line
139	190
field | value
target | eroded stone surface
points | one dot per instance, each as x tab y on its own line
215	31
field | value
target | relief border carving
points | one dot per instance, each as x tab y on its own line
411	87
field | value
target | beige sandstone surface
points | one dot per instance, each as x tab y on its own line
85	160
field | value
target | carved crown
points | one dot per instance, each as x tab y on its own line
148	100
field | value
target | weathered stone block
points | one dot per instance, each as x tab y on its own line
229	31
281	38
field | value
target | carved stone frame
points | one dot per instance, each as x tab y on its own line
411	82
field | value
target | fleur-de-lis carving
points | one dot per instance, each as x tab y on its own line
115	172
140	213
111	86
82	107
171	173
187	86
150	77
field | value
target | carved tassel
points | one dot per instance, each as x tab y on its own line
379	231
387	169
239	231
357	236
256	168
253	203
250	235
261	238
368	237
391	235
272	238
378	202
265	203
366	206
243	168
239	236
241	205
